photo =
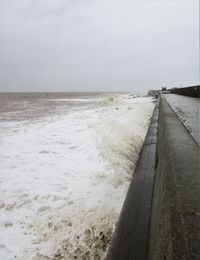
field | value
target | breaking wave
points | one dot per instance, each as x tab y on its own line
77	184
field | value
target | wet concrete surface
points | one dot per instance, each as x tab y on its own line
188	110
165	225
175	221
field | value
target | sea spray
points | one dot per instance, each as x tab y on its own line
66	176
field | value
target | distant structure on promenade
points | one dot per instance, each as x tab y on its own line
192	91
153	93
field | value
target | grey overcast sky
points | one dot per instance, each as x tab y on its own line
96	45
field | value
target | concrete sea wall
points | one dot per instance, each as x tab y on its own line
130	239
160	218
193	91
175	221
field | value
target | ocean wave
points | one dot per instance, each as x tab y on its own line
66	177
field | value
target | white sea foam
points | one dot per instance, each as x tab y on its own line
64	178
86	100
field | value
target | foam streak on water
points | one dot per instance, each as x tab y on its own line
64	175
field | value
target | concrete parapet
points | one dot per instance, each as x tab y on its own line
175	221
193	91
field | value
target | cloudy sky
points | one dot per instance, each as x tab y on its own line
98	45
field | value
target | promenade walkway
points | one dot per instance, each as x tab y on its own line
188	110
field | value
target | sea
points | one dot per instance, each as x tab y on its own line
66	163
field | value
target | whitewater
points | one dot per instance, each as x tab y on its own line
66	164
